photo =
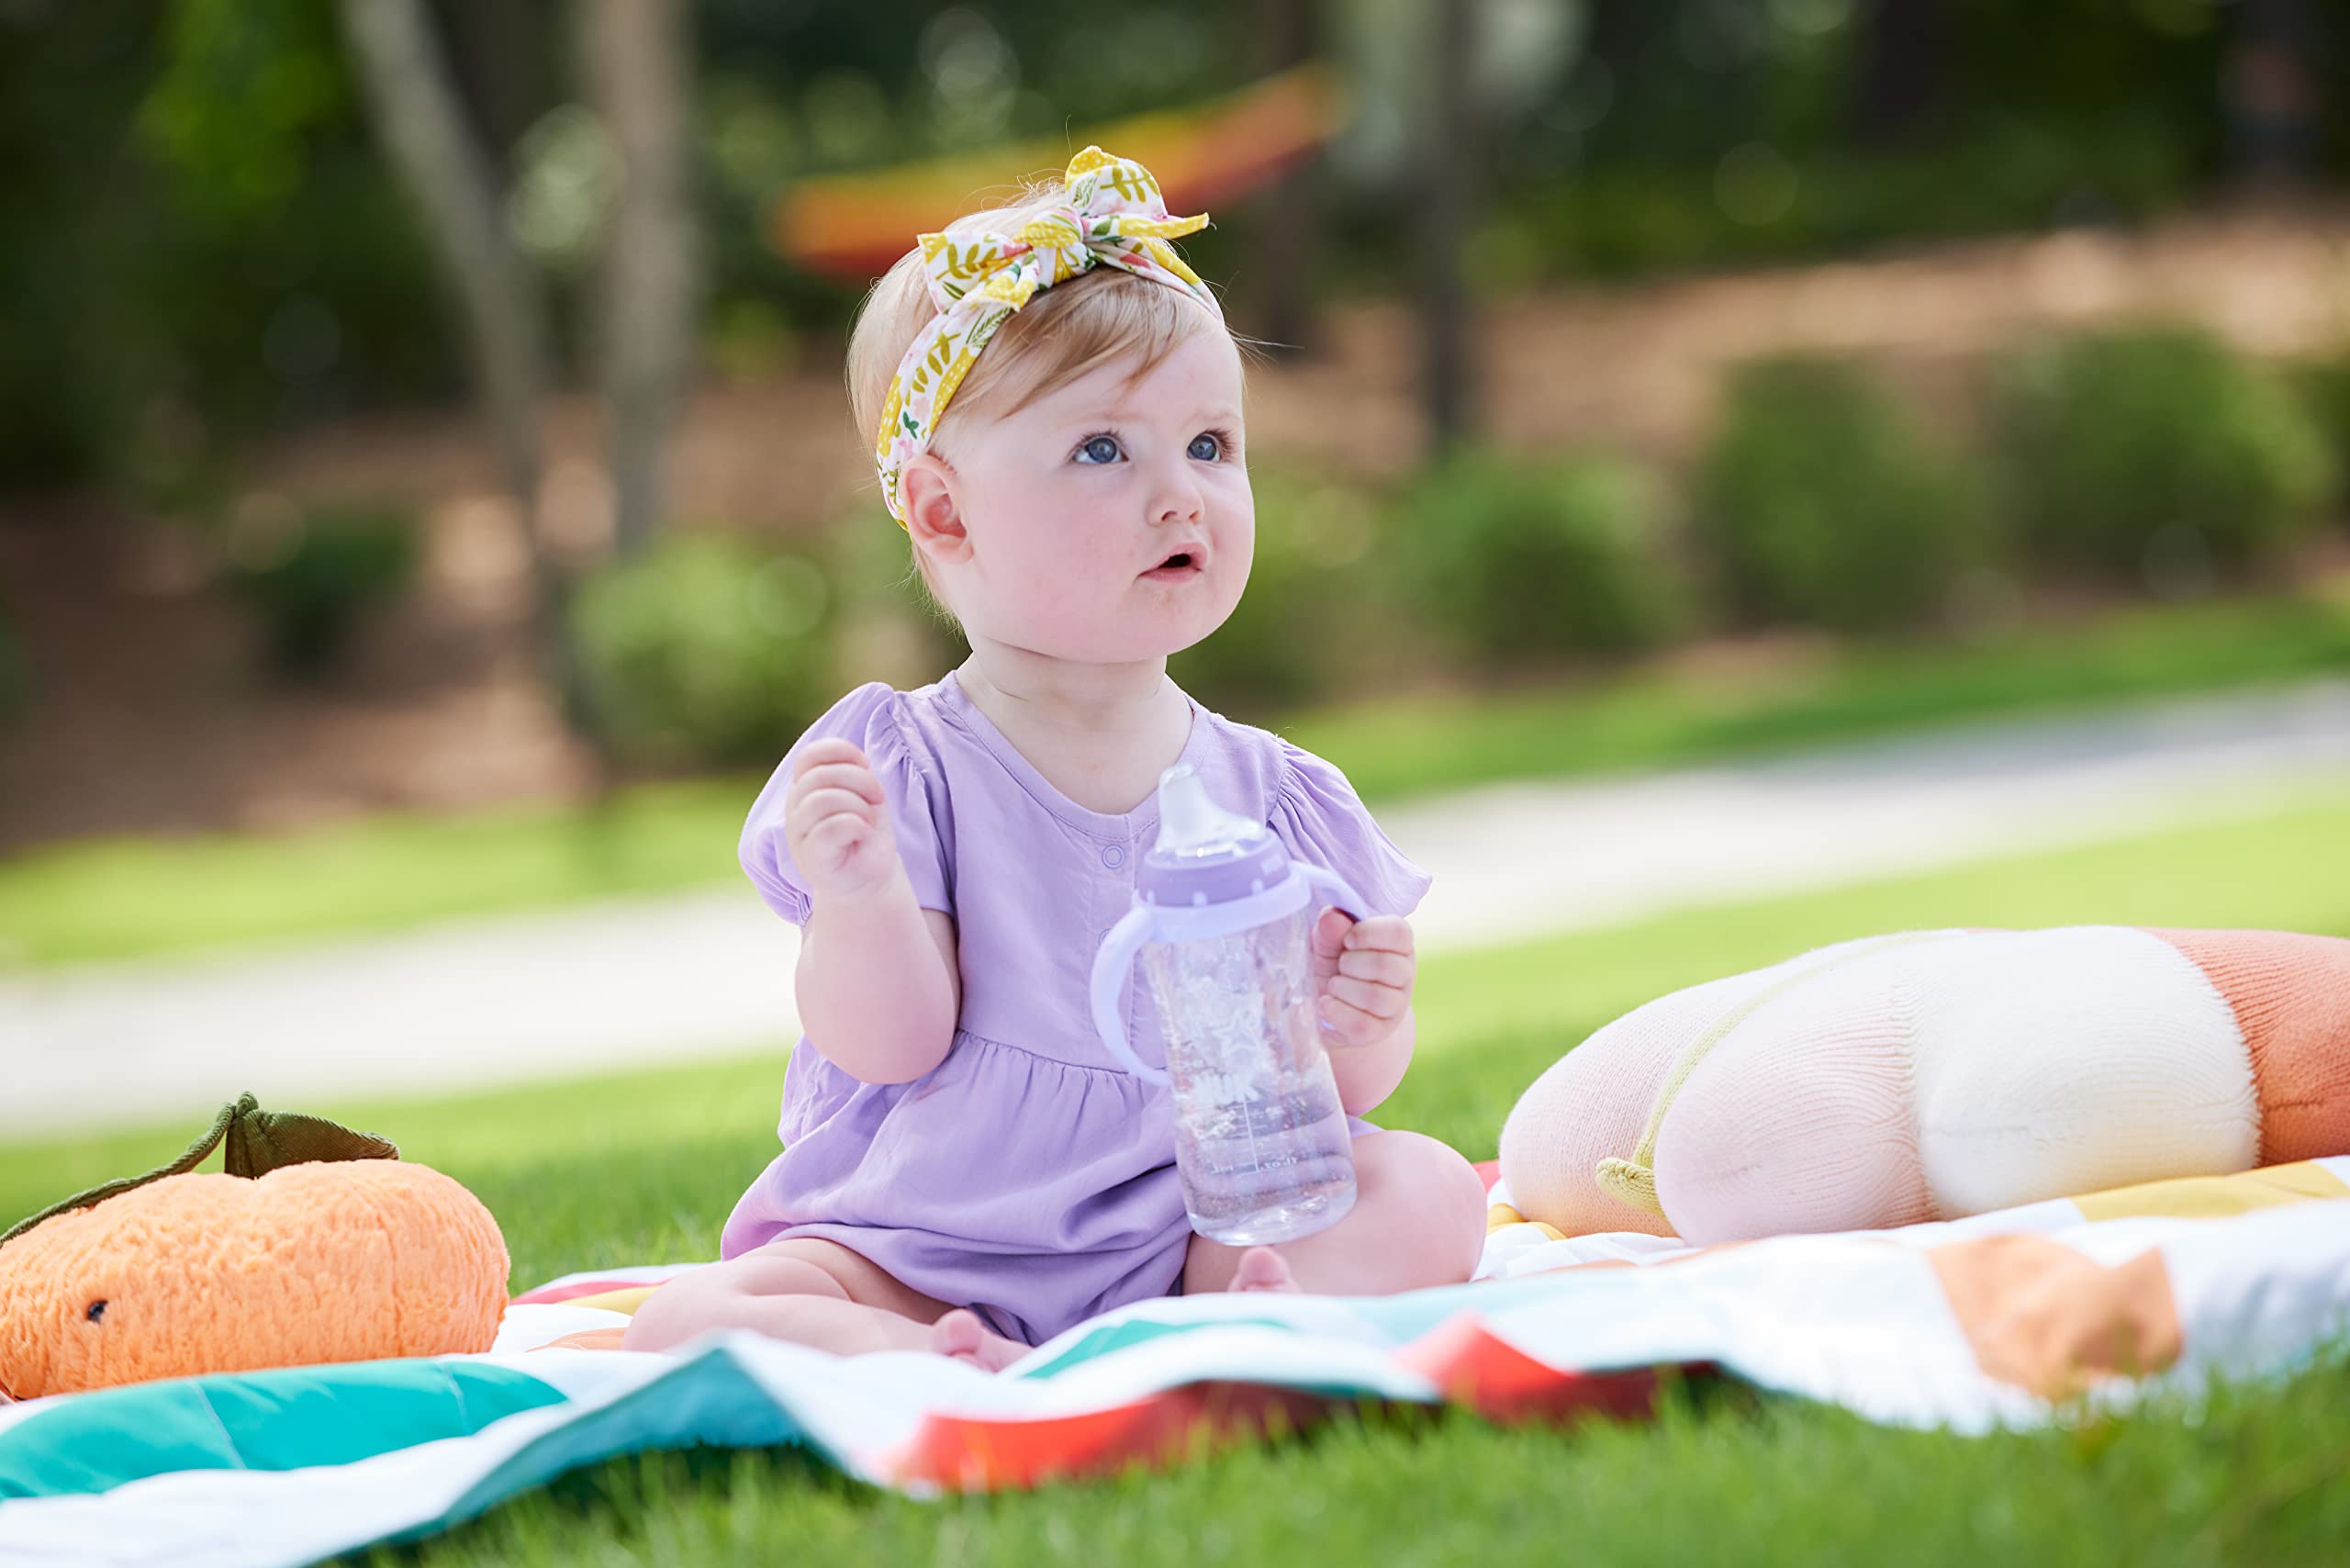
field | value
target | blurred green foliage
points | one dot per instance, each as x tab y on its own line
1522	562
199	241
2323	386
2156	454
1823	502
704	651
1314	601
310	574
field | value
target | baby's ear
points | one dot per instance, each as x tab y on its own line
934	512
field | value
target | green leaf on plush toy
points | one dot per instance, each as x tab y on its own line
259	1142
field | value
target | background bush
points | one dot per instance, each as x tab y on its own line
1311	598
705	651
2324	389
1823	502
1514	560
311	574
2155	453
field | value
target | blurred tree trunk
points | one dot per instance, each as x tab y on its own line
498	58
2270	98
638	70
1905	66
422	127
1286	239
1448	208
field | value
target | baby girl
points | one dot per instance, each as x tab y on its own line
966	1169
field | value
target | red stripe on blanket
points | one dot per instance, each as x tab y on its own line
978	1454
1470	1366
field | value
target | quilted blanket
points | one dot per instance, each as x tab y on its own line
2009	1318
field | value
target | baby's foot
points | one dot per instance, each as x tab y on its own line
961	1335
1262	1269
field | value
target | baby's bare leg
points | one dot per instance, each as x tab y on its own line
1418	1220
804	1289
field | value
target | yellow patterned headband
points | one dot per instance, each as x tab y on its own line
1111	213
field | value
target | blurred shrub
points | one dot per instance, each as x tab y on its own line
2324	389
1310	596
1519	562
886	626
704	651
1821	502
310	574
2155	452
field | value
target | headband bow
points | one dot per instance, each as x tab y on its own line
1112	214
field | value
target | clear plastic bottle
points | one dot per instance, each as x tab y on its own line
1221	924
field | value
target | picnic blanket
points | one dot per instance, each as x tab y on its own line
2012	1318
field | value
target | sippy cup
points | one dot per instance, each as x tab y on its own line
1221	919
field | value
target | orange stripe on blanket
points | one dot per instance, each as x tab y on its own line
2051	1321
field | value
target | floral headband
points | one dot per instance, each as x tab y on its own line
1112	213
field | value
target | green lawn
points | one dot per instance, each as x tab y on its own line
145	897
641	1169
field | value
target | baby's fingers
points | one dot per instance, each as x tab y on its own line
831	748
853	777
1381	933
1350	1025
819	805
1378	965
1385	1001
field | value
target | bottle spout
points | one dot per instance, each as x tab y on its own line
1188	821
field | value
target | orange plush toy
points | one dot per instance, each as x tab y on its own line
317	1245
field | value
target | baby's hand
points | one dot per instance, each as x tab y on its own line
1363	971
836	821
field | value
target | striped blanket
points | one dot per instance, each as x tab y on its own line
2009	1318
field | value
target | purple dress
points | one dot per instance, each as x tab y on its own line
1026	1176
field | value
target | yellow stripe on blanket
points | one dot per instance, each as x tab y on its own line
627	1300
2206	1197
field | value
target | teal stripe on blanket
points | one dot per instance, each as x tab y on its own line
268	1420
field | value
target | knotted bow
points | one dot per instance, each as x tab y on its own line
1112	214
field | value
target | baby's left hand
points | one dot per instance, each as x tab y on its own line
1363	972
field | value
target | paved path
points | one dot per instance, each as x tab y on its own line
665	980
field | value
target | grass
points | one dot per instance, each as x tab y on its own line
641	1168
144	898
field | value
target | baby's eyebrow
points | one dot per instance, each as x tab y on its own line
1221	414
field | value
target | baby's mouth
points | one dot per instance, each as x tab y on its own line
1182	564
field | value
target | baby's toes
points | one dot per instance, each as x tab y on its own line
961	1335
1262	1269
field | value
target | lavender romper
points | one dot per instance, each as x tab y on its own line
1026	1175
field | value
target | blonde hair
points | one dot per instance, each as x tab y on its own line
1105	314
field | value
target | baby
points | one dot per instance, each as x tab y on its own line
965	1168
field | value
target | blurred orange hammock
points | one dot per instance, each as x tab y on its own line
855	226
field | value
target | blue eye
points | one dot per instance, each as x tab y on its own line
1206	447
1098	449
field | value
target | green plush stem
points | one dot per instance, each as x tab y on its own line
259	1142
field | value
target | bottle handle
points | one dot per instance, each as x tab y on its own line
1110	967
1341	895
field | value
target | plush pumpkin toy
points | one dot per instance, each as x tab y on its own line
317	1244
1939	1074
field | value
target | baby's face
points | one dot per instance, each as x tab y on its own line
1111	519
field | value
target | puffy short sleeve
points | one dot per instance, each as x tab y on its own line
871	718
1321	820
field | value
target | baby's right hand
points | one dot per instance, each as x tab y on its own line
836	821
